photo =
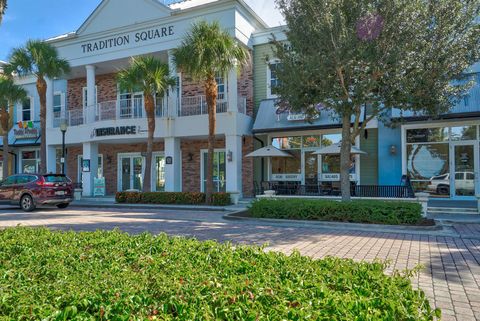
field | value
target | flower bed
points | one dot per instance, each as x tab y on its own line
103	275
185	198
358	211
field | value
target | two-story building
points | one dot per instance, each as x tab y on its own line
107	127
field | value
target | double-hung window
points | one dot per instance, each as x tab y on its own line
27	109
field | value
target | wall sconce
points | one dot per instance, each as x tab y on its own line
393	150
229	156
190	157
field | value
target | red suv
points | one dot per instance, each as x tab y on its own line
32	190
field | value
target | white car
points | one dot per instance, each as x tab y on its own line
464	183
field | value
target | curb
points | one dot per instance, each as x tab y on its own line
437	230
148	206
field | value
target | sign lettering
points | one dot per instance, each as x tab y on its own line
115	131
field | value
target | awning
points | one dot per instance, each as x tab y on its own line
335	149
269	151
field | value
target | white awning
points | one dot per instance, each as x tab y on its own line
335	149
269	151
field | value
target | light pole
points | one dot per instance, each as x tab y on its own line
63	129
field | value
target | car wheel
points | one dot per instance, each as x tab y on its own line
443	190
63	205
26	203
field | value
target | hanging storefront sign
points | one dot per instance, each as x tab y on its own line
26	130
334	177
287	177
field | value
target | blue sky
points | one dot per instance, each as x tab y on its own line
41	19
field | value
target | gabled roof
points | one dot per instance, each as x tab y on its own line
111	14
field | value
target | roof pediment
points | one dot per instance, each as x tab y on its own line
113	14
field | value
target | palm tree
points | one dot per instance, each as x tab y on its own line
3	8
10	94
152	77
40	59
205	52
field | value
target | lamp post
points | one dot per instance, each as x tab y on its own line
63	129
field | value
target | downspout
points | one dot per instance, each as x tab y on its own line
263	160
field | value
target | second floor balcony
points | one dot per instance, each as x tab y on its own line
134	108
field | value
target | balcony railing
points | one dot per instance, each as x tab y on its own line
133	108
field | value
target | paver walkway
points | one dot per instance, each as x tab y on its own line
450	277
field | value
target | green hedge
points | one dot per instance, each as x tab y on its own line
187	198
103	275
358	211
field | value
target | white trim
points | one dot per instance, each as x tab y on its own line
269	78
119	169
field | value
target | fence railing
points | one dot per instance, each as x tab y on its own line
132	108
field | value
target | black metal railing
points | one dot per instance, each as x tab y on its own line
296	188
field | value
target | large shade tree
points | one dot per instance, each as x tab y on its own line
207	51
40	59
10	94
152	77
346	56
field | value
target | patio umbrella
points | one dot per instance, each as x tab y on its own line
335	149
269	151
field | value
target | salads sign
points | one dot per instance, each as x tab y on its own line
155	33
25	130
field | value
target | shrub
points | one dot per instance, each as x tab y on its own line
187	198
103	275
358	211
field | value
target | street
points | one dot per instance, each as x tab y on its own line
451	266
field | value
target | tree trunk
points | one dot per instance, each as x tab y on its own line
150	110
211	91
345	158
42	94
6	150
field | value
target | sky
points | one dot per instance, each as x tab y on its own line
29	19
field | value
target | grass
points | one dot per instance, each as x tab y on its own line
102	275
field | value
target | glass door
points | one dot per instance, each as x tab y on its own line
159	173
311	168
131	176
462	175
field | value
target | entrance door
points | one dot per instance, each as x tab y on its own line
131	172
463	170
311	168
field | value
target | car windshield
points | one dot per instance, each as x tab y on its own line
55	179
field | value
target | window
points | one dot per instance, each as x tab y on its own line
219	171
221	87
463	133
58	105
85	94
11	180
159	173
99	169
294	142
272	78
30	161
27	109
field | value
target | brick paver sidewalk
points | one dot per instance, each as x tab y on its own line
450	278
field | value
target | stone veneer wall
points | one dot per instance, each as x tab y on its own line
106	90
190	169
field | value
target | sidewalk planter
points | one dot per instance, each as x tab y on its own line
180	198
357	211
77	194
423	200
269	193
234	197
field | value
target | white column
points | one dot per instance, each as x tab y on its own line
51	158
233	144
232	90
173	171
49	115
173	103
90	152
91	93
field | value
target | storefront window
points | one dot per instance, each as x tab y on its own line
160	173
288	165
311	141
30	161
331	139
463	133
426	161
219	171
287	142
426	135
99	170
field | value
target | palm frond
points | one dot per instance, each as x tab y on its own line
3	8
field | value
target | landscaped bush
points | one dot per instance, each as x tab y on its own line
358	211
187	198
114	276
